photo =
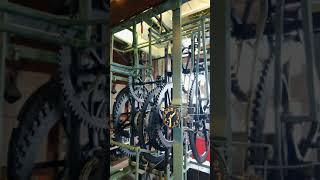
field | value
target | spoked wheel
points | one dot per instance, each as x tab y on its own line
144	125
137	90
122	124
162	132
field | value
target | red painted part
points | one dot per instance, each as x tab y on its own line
200	143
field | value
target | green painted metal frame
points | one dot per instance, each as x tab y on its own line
165	37
220	75
15	9
57	39
148	14
178	138
180	164
3	54
62	21
129	168
278	83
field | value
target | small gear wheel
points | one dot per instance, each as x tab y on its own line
83	78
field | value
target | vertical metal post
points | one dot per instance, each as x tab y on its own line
192	55
135	45
278	83
137	164
203	28
309	55
109	66
177	93
3	51
109	59
197	72
85	11
150	51
220	75
317	53
74	148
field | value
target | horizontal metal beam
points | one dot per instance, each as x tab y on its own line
12	8
167	5
24	52
118	70
121	173
47	37
119	78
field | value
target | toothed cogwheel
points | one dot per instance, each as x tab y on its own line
83	78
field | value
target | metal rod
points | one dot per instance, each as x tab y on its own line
289	167
46	37
164	38
119	78
135	46
309	55
178	172
197	72
205	60
121	71
278	83
220	123
3	51
137	164
34	54
46	17
119	174
121	66
150	52
167	5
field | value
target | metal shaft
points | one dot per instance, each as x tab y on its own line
178	172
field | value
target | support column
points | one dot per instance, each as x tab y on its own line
3	51
317	53
278	83
135	45
308	37
220	126
177	93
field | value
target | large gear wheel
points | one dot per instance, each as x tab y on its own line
122	100
40	113
258	155
83	78
122	123
138	92
159	132
145	141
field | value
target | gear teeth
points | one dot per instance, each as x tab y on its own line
27	133
132	91
95	123
160	141
254	135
